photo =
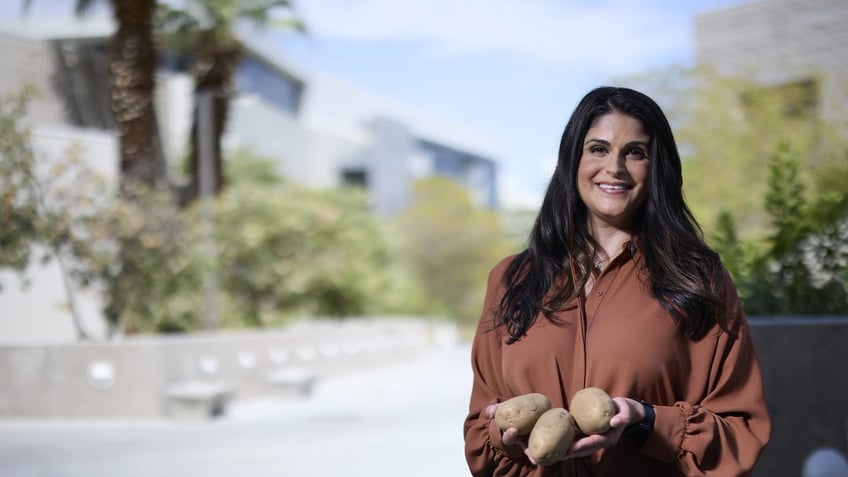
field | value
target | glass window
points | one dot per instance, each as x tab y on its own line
272	86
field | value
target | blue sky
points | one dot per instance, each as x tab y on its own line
512	70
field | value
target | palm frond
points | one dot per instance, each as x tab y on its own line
174	20
260	12
178	28
290	24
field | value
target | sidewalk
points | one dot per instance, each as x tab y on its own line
400	419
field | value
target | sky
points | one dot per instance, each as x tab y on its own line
512	70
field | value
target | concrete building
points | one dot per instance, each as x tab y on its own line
321	131
782	43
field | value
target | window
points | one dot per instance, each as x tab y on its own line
354	177
272	86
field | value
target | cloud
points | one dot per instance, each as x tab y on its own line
613	36
547	165
523	187
516	195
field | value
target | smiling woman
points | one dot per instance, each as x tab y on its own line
613	172
618	291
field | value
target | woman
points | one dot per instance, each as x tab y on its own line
618	290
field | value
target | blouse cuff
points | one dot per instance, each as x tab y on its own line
664	443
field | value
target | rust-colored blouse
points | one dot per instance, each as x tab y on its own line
711	418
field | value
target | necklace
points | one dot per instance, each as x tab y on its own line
597	262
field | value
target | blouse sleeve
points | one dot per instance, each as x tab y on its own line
485	452
724	433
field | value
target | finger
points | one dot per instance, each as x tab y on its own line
595	441
490	410
618	421
510	436
586	446
624	413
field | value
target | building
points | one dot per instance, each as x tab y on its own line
321	131
782	44
339	134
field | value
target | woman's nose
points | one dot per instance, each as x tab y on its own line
614	163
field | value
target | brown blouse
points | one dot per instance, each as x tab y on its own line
711	418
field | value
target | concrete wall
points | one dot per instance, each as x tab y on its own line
128	379
803	362
805	368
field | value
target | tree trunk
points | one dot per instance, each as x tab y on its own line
214	70
133	68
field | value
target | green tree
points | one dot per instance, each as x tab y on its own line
38	205
63	211
205	31
20	215
283	250
733	127
733	253
142	256
803	267
450	245
782	268
286	250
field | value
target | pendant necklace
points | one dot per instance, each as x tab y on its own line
597	262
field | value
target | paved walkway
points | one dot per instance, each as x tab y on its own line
401	419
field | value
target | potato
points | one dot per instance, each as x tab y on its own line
592	409
551	436
521	412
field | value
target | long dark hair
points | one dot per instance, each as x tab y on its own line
680	266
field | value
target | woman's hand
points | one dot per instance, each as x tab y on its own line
510	437
627	411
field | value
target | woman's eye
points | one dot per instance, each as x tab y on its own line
597	150
639	153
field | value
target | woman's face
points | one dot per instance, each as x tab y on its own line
613	171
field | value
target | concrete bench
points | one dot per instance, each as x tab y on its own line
197	399
295	382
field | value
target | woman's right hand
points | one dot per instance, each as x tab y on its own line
511	437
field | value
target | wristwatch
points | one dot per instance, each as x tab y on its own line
642	429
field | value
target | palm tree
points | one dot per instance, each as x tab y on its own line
132	68
132	64
206	31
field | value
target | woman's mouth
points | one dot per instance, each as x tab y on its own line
606	187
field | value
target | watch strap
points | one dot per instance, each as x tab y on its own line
642	429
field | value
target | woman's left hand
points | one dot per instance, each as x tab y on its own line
627	412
